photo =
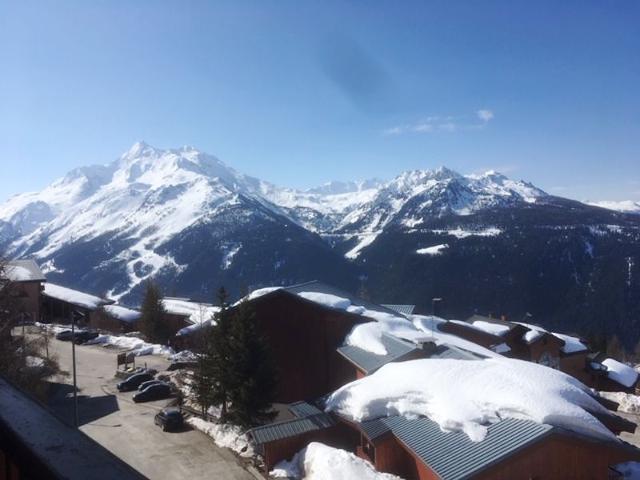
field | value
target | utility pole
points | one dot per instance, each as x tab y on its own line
73	360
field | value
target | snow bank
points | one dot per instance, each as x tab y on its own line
320	462
627	402
74	297
435	250
466	395
621	373
136	346
183	356
224	435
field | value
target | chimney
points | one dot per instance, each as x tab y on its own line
436	307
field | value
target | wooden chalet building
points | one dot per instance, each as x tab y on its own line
418	449
62	305
27	283
181	313
115	318
513	449
304	335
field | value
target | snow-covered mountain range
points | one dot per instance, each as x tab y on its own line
193	223
149	195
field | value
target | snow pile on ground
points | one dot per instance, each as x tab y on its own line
320	462
630	470
226	436
55	328
434	250
134	345
74	297
184	356
621	373
627	402
466	395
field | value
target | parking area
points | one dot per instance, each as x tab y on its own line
127	429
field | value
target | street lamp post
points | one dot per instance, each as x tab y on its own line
73	360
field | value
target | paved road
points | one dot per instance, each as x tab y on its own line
632	438
127	429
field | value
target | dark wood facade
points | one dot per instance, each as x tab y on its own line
303	337
557	456
337	436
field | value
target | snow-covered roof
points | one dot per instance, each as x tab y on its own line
492	328
571	344
369	362
195	312
621	373
122	313
468	395
74	297
23	271
404	309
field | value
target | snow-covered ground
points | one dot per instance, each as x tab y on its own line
227	436
321	462
466	395
134	345
627	402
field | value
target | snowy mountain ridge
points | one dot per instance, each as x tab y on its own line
154	212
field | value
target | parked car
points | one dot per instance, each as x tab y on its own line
64	335
148	383
84	336
134	381
169	419
180	364
153	392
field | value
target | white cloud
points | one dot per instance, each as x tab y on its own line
433	124
485	115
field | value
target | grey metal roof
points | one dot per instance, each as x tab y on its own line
402	309
303	409
290	428
369	362
24	271
452	455
374	429
451	351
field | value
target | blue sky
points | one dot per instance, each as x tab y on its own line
300	93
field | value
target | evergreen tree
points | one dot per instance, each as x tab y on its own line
203	381
218	356
152	323
253	371
615	349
